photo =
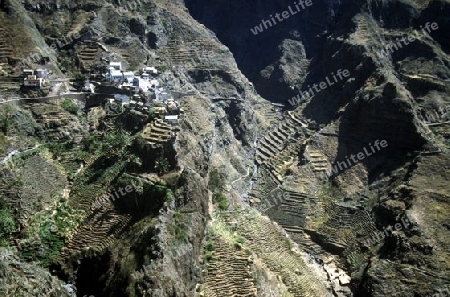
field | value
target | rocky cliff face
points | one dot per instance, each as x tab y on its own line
193	230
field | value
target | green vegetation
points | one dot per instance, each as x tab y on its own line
169	195
181	233
161	68
240	240
223	203
5	117
289	243
4	144
329	193
109	158
140	143
65	63
210	247
222	200
152	115
57	148
70	106
80	79
216	184
208	256
51	226
162	165
180	228
217	178
7	224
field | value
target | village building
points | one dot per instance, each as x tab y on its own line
34	78
41	73
143	84
171	119
149	70
115	65
33	81
114	75
128	76
27	72
122	99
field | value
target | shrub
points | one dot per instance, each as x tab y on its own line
70	106
3	144
51	227
169	195
152	114
181	232
7	223
162	165
289	244
222	199
161	68
240	240
208	256
210	247
217	178
80	78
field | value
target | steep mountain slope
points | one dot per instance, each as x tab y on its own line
399	75
333	173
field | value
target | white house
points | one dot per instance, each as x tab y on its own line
27	72
150	70
115	65
41	73
129	76
114	75
171	119
142	84
33	81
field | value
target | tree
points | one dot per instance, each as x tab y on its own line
70	106
161	165
217	179
152	114
80	78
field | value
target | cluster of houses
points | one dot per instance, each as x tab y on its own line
145	92
127	79
35	78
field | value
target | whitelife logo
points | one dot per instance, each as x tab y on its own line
379	236
281	17
115	195
341	74
274	198
389	49
360	156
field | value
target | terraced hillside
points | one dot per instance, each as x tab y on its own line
89	53
314	231
247	235
158	132
12	35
